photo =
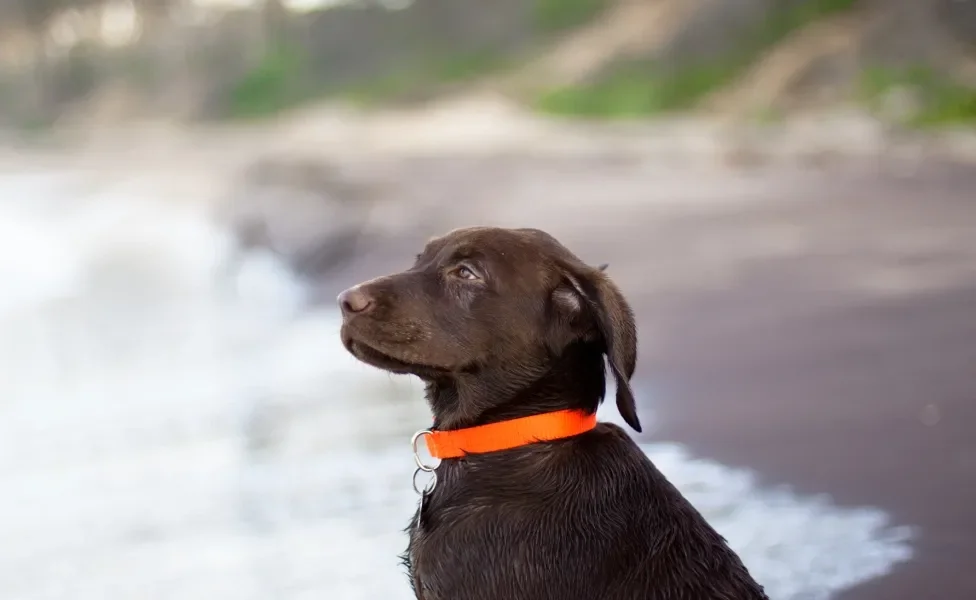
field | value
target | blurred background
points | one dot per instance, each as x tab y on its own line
784	189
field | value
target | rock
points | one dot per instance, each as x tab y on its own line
304	210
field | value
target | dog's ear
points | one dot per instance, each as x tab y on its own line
595	308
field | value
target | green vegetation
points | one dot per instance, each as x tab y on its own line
425	78
639	88
430	75
937	100
439	70
280	82
560	15
632	90
274	84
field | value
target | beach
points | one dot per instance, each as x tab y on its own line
805	343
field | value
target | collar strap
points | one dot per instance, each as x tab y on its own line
506	435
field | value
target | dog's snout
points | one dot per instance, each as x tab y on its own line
354	300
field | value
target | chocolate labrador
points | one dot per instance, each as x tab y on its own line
533	500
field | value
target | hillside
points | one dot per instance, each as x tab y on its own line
760	58
911	61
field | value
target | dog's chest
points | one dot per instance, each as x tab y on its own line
479	550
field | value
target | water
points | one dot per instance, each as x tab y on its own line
166	433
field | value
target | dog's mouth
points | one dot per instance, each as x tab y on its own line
371	355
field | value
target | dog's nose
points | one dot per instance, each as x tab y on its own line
354	300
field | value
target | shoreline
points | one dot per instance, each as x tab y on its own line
486	124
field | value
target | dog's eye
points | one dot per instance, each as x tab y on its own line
465	272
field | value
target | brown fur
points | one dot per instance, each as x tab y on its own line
503	323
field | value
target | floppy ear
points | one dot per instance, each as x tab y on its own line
588	296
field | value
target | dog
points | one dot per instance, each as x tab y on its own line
513	335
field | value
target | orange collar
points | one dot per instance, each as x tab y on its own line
505	435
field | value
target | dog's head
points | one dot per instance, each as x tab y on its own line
492	310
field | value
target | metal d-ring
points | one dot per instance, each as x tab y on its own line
430	485
416	454
422	467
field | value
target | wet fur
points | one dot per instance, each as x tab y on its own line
584	518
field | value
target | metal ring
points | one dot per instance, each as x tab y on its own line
430	485
416	455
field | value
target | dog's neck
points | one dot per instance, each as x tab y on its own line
574	380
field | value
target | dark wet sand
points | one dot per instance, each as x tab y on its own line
875	406
843	366
869	399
